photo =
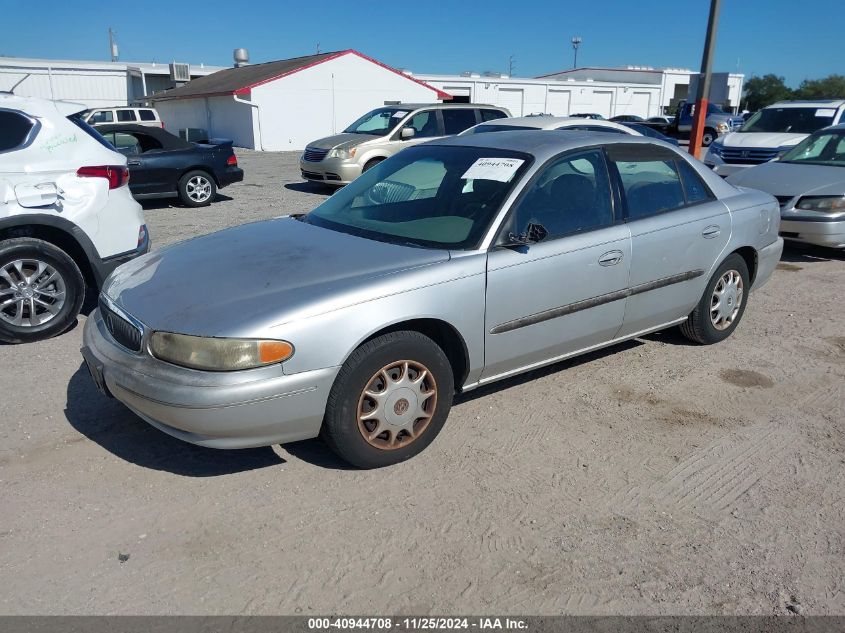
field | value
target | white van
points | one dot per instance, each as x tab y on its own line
137	116
772	130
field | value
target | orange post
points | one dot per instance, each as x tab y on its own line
697	132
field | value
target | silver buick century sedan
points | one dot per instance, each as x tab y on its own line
448	266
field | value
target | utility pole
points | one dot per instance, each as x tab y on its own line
511	65
576	42
703	91
112	46
318	48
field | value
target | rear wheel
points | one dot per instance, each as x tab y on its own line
721	307
41	290
197	188
389	401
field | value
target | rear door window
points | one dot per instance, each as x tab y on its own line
102	116
15	129
694	187
491	115
456	120
126	115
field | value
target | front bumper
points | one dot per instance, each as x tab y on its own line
767	259
239	409
331	171
817	232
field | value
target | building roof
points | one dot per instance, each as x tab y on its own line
243	79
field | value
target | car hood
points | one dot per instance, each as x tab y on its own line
789	179
345	140
761	139
239	281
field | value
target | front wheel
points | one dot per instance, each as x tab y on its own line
390	400
721	307
708	137
197	189
41	290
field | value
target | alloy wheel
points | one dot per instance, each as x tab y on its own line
397	404
198	189
31	292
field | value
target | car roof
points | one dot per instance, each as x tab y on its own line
555	122
38	107
815	103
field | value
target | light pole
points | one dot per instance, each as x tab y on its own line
576	42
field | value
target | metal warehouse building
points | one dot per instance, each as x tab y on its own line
283	105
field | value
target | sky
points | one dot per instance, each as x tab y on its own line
755	37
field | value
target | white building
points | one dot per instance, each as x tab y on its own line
283	105
94	84
606	91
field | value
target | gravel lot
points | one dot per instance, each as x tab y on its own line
656	477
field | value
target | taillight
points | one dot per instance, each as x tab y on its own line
115	174
232	161
162	125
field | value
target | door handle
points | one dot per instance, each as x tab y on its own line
610	258
711	231
133	163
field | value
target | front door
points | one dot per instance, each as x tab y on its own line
566	292
678	232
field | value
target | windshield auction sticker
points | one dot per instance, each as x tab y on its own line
501	169
825	112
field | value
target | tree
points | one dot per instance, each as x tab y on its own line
765	90
831	87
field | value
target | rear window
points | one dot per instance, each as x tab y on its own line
76	119
147	115
126	115
14	130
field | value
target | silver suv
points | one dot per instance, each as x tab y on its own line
381	133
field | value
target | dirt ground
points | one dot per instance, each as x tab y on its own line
655	477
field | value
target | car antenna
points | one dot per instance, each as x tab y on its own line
20	81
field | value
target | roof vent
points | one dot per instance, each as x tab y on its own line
241	56
180	73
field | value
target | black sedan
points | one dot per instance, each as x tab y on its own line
162	165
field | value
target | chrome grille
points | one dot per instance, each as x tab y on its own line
314	154
121	330
748	155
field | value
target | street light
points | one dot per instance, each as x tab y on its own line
576	42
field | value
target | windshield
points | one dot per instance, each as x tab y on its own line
494	127
378	122
794	120
822	148
430	196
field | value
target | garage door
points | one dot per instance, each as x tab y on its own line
511	98
603	103
640	104
558	102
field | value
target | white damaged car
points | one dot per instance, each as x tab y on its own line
67	218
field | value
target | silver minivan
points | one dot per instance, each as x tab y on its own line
341	158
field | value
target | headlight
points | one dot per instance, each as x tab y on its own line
218	354
723	128
825	204
342	153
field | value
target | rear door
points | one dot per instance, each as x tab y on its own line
679	230
566	292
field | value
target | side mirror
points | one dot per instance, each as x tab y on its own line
406	133
44	194
533	233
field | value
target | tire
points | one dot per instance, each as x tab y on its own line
708	137
47	303
700	326
342	429
371	163
197	188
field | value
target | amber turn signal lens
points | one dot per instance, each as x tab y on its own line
274	351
